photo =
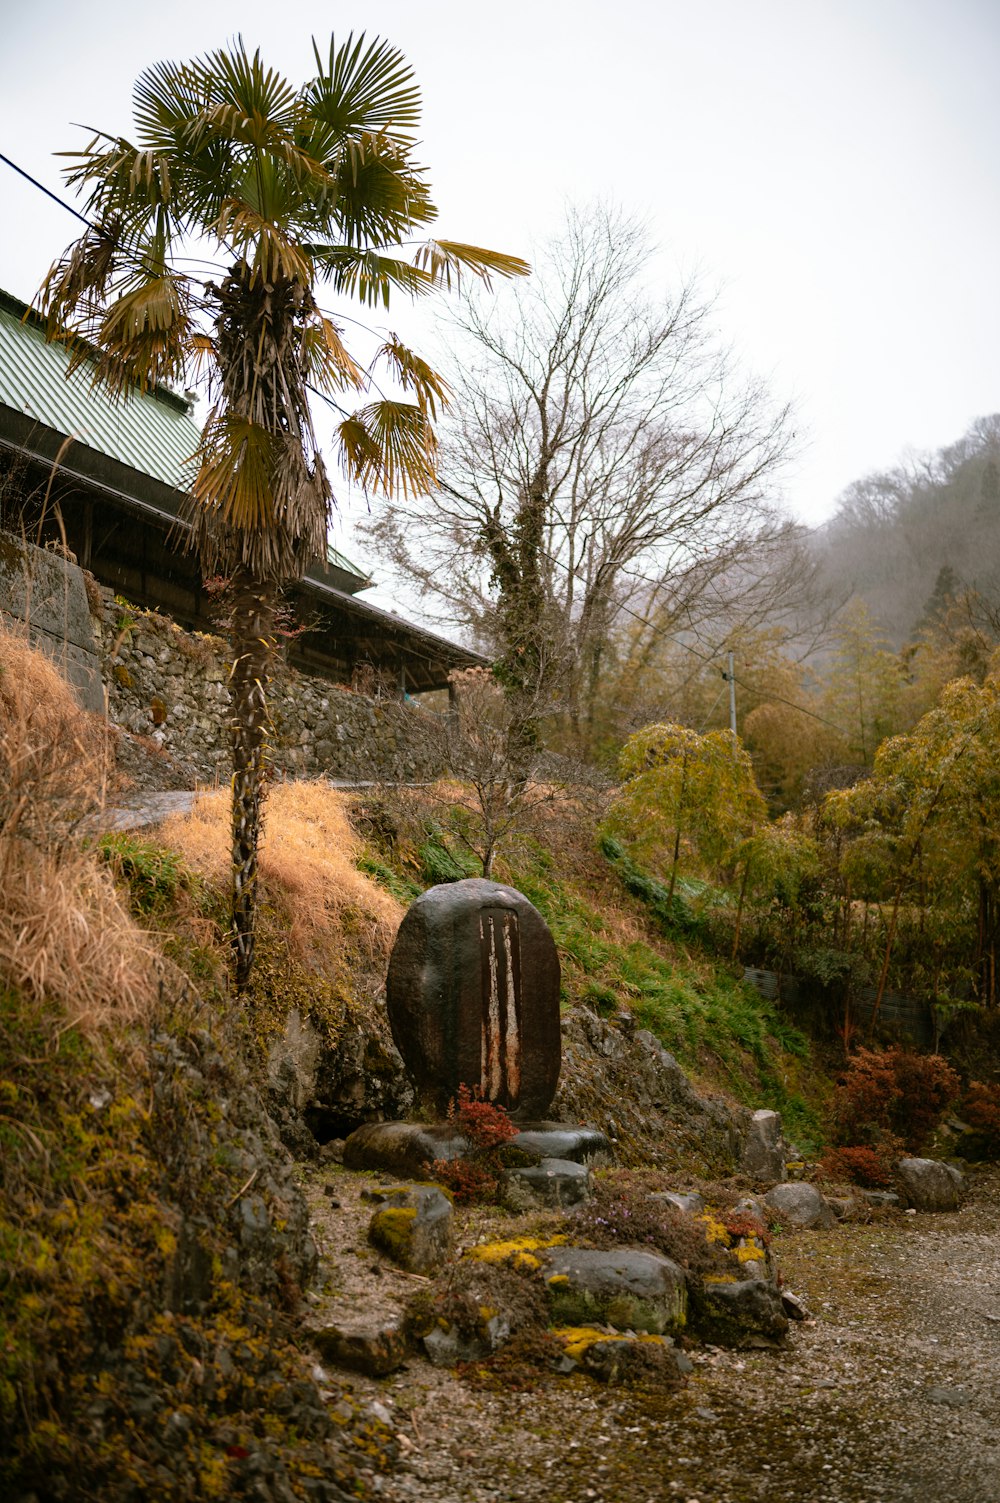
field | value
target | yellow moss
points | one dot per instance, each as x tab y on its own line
720	1278
751	1253
714	1230
519	1253
578	1339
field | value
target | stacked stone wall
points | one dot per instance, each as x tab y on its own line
170	685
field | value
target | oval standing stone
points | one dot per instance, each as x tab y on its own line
473	997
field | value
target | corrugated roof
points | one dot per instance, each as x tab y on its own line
150	432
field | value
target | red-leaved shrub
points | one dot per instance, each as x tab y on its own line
860	1166
892	1093
486	1128
981	1109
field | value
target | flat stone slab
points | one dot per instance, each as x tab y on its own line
472	993
403	1148
370	1346
764	1149
622	1287
554	1140
554	1182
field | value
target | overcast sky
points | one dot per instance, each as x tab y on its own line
830	166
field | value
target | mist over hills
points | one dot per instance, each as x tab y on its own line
907	539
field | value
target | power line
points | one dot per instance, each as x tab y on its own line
644	621
48	192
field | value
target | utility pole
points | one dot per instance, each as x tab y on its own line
730	678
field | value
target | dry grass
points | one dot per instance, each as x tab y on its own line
64	933
307	868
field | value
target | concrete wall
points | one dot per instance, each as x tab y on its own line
46	596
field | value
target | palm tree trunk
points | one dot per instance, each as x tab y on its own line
252	636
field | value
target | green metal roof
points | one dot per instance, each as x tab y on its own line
151	432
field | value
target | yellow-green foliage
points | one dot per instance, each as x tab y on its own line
684	792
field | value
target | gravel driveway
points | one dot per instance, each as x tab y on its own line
890	1393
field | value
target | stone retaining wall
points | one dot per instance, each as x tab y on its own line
171	685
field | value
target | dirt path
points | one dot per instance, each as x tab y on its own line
890	1393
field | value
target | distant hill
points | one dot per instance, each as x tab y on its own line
905	540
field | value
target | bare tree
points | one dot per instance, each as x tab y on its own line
602	449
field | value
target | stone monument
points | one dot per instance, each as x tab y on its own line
473	999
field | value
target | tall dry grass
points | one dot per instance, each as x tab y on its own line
64	933
307	870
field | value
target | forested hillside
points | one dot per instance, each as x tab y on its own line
906	540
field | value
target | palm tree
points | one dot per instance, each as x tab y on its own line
283	189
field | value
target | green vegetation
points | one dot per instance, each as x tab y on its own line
718	1028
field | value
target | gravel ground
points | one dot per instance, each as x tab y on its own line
889	1393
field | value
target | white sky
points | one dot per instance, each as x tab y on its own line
829	165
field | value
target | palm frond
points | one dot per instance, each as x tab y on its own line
381	196
234	481
363	88
270	248
368	275
326	360
389	446
414	374
443	258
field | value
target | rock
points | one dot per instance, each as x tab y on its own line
404	1148
554	1182
793	1307
691	1203
413	1226
626	1288
953	1398
799	1204
624	1359
374	1347
446	1345
929	1184
473	997
747	1312
751	1205
551	1140
764	1149
881	1198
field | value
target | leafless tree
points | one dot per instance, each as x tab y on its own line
602	450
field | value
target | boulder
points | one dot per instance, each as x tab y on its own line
624	1359
404	1148
370	1346
745	1312
445	1345
929	1184
764	1148
413	1226
554	1140
798	1203
691	1203
554	1182
623	1287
